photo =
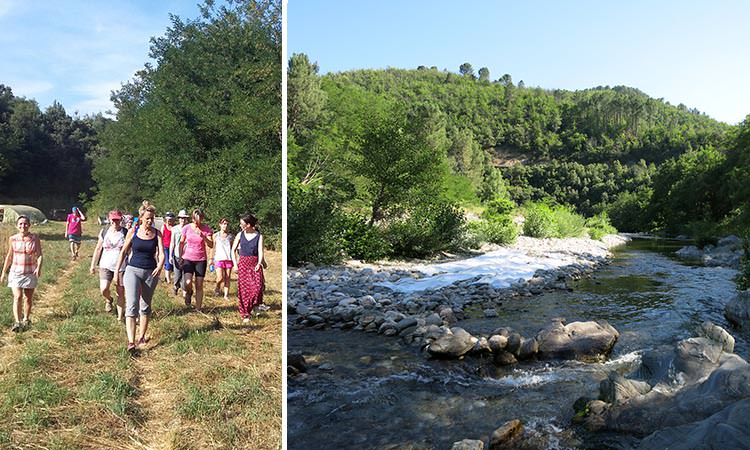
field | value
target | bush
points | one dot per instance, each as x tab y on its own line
703	232
599	226
362	241
630	211
539	221
500	230
743	276
568	223
311	219
425	230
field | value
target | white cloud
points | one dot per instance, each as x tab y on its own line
96	97
30	88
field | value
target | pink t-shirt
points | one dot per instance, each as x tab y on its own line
195	248
74	224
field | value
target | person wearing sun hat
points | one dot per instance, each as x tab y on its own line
174	252
111	240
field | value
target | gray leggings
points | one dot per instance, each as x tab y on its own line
139	290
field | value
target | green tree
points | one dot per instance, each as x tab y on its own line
484	74
466	70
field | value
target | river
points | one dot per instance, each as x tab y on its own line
367	391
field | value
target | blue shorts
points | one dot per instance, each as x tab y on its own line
167	265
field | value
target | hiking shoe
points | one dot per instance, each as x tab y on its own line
108	306
263	308
143	341
246	320
188	298
26	323
16	327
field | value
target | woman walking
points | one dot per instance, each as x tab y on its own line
249	245
111	240
222	258
174	252
166	234
195	238
142	273
74	231
22	267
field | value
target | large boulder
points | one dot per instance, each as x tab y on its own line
727	429
737	310
452	345
506	436
585	341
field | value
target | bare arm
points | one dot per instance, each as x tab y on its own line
235	247
38	246
159	255
97	252
125	250
80	214
8	260
260	252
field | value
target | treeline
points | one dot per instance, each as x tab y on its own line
603	152
201	126
44	155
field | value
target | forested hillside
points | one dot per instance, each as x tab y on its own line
649	165
198	127
44	154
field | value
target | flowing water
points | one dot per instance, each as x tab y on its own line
367	391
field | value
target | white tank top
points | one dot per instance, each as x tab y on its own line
223	247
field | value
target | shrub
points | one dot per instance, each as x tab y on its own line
362	241
499	207
703	232
500	230
599	226
311	219
540	222
425	230
630	211
568	223
743	275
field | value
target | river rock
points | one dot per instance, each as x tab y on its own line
468	444
717	334
503	358
505	437
433	319
727	429
452	345
737	310
617	389
585	341
296	363
690	252
528	348
497	342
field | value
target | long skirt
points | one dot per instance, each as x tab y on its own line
249	285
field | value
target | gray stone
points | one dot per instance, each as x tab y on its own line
452	345
506	436
737	310
717	334
503	358
468	444
585	341
617	389
497	342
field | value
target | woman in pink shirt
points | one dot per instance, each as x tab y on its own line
195	238
74	230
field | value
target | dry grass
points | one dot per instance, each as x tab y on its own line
204	381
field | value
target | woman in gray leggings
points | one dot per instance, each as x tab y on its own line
142	273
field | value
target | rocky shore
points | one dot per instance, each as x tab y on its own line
726	253
361	297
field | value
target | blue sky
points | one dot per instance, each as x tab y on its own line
691	52
75	51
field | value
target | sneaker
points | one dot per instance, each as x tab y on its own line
26	323
188	298
217	292
16	327
263	308
143	341
108	306
246	320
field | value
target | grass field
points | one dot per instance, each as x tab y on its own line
204	381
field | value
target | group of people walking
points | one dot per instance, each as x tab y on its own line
134	254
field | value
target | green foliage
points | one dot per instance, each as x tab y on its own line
498	207
311	220
362	241
539	221
497	230
201	127
703	232
425	230
743	276
599	226
630	211
568	223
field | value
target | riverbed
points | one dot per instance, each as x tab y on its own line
369	391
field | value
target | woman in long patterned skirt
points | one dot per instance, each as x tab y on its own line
249	246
